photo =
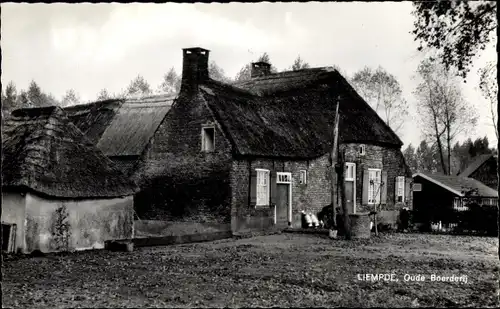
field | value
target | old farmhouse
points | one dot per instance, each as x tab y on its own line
252	155
59	192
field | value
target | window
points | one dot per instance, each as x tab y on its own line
303	177
208	139
374	178
400	189
349	171
459	205
362	150
262	187
284	177
417	187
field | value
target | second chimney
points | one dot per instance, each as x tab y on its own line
260	69
194	67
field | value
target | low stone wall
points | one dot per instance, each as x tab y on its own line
180	239
158	228
253	219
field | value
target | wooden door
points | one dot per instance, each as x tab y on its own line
282	204
349	198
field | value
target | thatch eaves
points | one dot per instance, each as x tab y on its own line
358	121
290	126
45	152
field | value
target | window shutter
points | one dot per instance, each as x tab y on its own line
407	189
365	186
396	189
272	183
383	189
253	188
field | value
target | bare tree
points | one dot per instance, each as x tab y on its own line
244	73
103	95
138	87
383	92
70	98
171	83
443	111
489	89
299	64
9	100
217	73
429	107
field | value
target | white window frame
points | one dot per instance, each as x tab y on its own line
262	187
284	177
362	150
303	177
400	189
351	166
375	187
203	139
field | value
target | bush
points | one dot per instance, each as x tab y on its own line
481	219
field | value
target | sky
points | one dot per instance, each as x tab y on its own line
88	47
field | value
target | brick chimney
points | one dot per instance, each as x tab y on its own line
260	69
194	67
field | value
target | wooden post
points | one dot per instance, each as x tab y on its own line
334	162
347	222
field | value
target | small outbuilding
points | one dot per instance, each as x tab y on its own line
438	198
59	192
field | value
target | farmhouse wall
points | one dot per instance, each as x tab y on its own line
14	212
312	196
180	182
90	222
389	159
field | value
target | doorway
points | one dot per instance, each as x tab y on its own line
283	199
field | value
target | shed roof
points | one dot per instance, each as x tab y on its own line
45	152
474	165
458	184
358	121
121	127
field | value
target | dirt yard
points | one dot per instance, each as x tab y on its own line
276	270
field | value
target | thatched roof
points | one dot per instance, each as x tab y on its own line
458	184
45	152
121	127
93	119
474	165
358	121
293	126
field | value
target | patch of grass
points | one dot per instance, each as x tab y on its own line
286	270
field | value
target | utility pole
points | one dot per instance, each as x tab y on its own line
334	156
347	222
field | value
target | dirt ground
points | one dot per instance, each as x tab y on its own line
276	270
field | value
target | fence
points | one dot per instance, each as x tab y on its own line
467	216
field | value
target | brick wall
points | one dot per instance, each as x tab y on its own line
312	196
179	181
487	174
387	159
